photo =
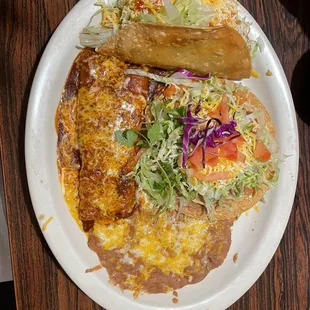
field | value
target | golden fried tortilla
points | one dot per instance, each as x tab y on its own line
234	208
220	51
246	202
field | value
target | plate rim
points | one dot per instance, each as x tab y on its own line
65	266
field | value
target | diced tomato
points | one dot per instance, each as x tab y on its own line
196	158
226	139
215	176
241	157
248	191
211	157
261	152
170	90
238	141
223	107
215	114
229	151
139	5
221	112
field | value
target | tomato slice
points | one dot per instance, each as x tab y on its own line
241	157
248	191
211	157
196	158
238	141
215	176
215	114
221	112
141	7
229	151
223	108
232	138
261	152
170	90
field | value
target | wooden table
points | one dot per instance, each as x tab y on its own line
40	283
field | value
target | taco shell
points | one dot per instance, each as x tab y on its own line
220	51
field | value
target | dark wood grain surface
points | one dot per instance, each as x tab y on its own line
40	283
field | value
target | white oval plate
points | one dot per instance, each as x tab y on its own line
255	237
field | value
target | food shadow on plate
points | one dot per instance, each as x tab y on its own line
301	75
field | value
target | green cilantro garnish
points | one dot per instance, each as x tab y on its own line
126	137
155	132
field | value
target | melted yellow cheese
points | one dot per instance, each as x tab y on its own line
69	185
67	169
224	165
104	107
112	236
86	125
213	2
159	241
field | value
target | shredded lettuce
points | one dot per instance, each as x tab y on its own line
173	15
253	47
165	80
159	170
263	134
149	18
95	36
195	12
251	177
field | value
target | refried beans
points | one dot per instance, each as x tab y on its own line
147	254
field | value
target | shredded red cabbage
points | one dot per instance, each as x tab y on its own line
190	118
200	141
198	107
187	131
225	130
196	136
214	129
207	141
185	74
